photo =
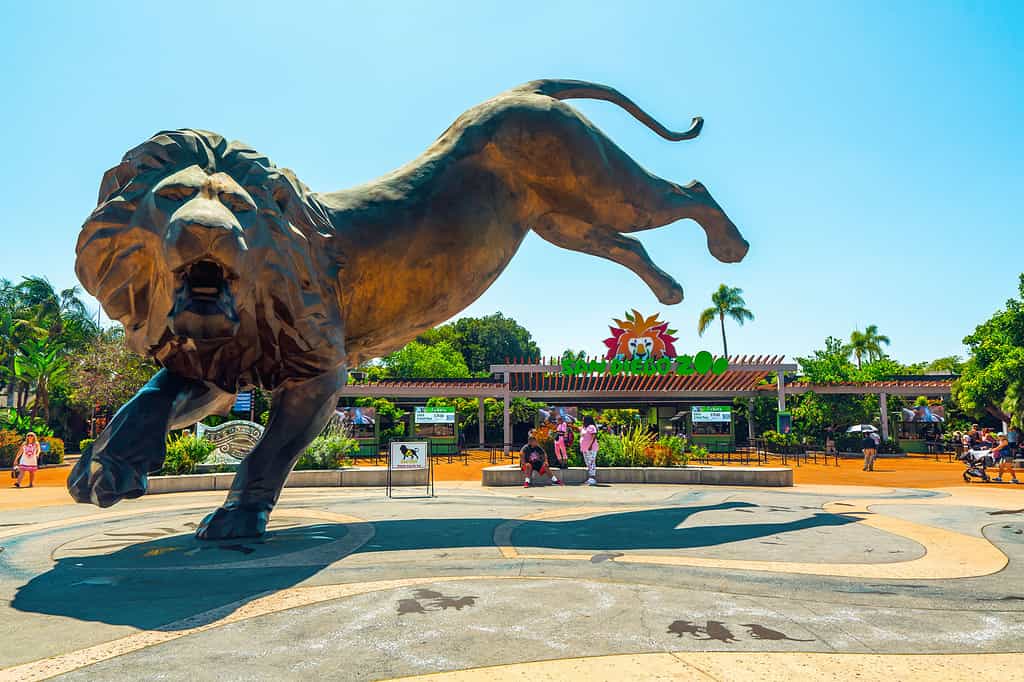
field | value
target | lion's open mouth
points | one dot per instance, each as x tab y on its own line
204	307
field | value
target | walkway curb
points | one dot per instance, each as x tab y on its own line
374	477
511	475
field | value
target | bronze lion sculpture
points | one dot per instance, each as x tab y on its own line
231	274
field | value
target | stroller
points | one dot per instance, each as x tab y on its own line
976	461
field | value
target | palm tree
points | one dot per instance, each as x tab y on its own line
39	364
728	302
867	343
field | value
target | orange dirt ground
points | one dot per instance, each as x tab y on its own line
904	472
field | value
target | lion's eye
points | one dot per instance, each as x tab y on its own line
235	202
177	192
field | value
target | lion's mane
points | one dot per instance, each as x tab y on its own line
290	323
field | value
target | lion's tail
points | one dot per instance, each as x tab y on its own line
569	89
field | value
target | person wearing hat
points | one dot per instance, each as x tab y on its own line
27	459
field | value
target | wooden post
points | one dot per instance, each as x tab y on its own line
781	381
481	416
883	401
750	420
507	421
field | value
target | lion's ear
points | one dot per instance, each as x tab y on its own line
115	180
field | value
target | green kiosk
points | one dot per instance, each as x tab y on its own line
711	427
438	426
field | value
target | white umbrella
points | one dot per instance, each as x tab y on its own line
861	428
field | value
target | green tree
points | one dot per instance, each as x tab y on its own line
106	374
416	360
953	364
993	378
867	344
485	341
728	302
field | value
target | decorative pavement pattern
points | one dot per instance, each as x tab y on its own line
613	582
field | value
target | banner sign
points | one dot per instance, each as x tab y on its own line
243	402
640	337
435	415
359	416
717	413
701	363
551	414
236	439
409	454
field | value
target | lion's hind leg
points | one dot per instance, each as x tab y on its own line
601	240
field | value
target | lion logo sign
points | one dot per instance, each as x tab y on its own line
231	273
642	338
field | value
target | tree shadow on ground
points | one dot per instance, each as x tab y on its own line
156	583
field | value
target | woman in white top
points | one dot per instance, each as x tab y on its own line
27	459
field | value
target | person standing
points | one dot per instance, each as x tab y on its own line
1005	459
533	458
1013	438
27	460
562	443
870	449
588	448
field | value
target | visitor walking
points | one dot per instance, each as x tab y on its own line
27	459
1004	456
1013	438
870	449
533	458
588	448
562	443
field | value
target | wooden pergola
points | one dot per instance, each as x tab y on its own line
545	381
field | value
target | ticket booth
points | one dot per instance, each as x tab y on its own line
711	426
437	425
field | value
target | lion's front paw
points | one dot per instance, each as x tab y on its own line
233	522
104	481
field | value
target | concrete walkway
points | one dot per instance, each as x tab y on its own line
614	582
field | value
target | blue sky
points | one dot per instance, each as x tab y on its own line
870	152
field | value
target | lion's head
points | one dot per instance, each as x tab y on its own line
211	258
640	337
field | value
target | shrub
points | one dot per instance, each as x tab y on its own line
328	451
635	444
55	454
10	442
22	424
184	453
668	452
776	441
609	450
84	443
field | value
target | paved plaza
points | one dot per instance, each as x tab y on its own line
612	582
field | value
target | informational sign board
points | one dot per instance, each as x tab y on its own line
716	413
409	454
234	440
784	422
435	415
